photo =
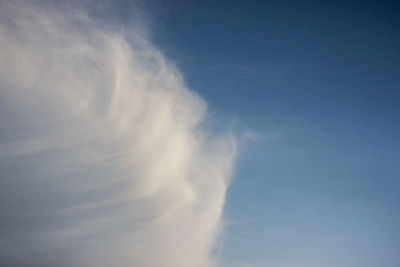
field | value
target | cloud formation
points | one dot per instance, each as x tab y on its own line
104	157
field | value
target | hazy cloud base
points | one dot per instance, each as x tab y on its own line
103	157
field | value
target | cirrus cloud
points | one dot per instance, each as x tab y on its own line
104	159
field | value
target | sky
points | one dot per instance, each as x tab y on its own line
314	89
200	133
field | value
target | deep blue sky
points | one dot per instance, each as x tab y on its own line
314	88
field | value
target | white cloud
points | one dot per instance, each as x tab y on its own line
103	158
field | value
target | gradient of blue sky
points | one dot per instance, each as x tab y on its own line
314	86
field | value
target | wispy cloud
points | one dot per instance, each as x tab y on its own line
103	158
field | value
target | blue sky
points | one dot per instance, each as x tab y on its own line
109	158
314	89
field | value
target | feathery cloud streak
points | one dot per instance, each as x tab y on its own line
103	157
